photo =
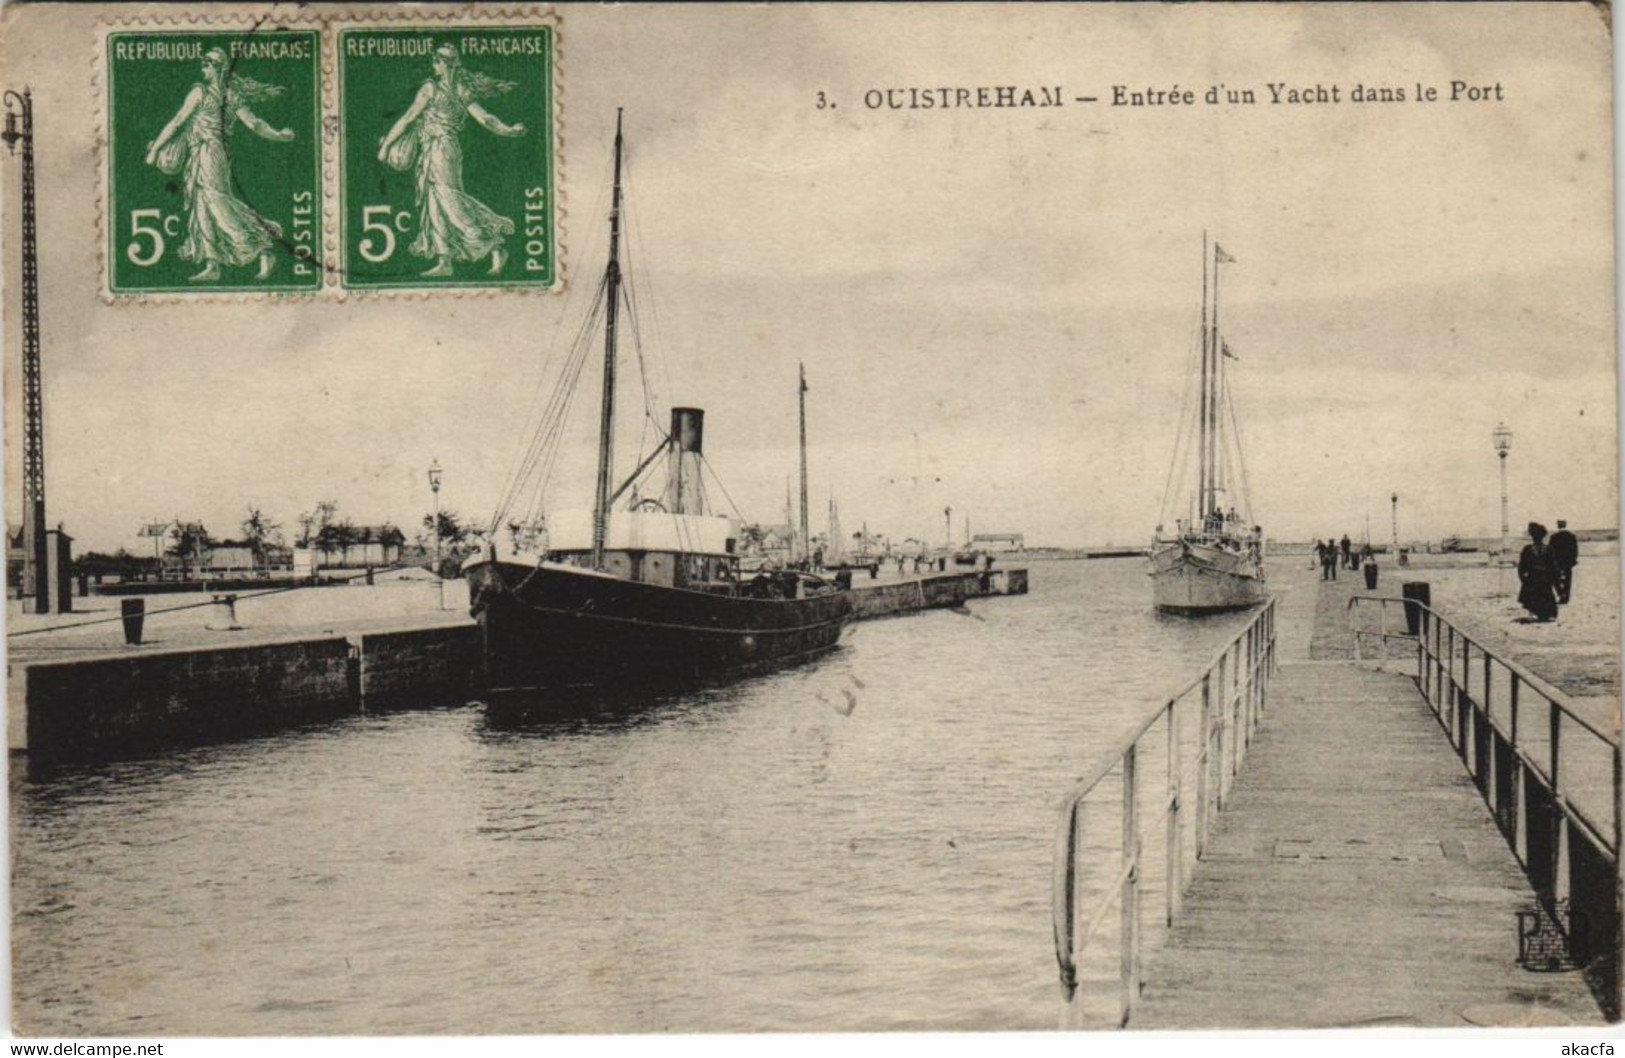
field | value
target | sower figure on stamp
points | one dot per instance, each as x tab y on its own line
452	224
1535	574
220	227
1565	554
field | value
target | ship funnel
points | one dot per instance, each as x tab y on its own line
688	428
685	490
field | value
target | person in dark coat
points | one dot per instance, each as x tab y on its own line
1565	552
1344	543
1328	561
1535	574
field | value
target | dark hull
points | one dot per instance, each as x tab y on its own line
548	627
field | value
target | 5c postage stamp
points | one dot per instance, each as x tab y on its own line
446	157
213	161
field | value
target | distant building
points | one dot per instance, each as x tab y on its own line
998	542
370	545
768	545
239	556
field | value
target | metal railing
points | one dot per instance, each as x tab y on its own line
1233	691
1567	842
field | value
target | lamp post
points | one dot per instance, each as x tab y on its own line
435	474
1503	444
20	129
1394	501
947	531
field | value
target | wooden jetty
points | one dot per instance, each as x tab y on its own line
79	692
1355	878
1341	844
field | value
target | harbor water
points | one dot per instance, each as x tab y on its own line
860	843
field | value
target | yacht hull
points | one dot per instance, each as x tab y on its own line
1191	578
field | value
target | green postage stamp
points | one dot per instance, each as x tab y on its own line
213	161
329	153
446	164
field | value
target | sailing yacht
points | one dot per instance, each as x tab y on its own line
1214	559
645	589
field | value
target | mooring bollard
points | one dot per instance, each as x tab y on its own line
133	612
1371	576
1415	591
223	614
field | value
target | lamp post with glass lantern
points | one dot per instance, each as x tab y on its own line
1393	501
435	474
1503	444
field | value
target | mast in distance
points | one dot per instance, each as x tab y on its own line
606	421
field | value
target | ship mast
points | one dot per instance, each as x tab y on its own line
1204	458
606	422
1215	352
806	541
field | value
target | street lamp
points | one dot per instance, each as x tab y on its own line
1503	444
1394	500
435	474
36	576
947	530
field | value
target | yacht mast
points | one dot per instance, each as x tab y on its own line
1204	459
606	422
1215	351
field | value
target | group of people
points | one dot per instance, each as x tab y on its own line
1546	570
1335	554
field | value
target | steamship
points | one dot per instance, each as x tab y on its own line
646	587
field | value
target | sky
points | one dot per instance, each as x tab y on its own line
995	307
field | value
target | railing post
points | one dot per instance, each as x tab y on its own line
1075	911
1203	758
1491	784
1438	673
1175	880
1421	656
1129	938
1221	787
1252	680
1232	709
1453	695
1560	838
1520	826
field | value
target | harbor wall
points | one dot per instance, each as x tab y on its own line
934	592
90	708
417	666
102	707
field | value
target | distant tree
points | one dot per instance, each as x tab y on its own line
258	531
327	540
313	522
189	542
390	535
452	531
346	536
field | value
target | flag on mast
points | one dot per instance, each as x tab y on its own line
1221	256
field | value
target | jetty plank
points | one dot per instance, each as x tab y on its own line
1355	878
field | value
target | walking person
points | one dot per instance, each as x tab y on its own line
1328	563
1565	554
1344	543
1535	574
